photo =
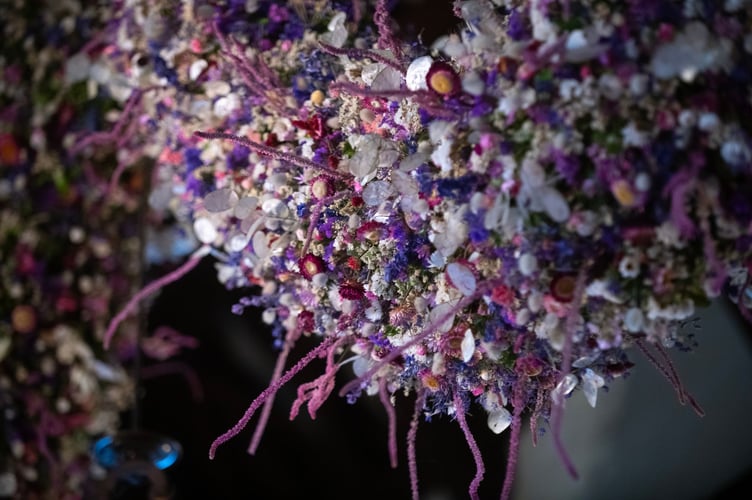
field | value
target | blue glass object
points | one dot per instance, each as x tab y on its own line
136	446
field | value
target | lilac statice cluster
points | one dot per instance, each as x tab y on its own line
496	221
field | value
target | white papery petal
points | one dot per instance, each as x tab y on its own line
564	387
415	78
462	278
468	346
205	230
591	382
499	420
220	200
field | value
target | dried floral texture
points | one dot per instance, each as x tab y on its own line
67	250
494	220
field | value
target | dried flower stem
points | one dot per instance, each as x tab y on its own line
392	416
412	462
480	469
270	152
557	408
362	54
317	391
272	389
666	368
149	289
518	403
279	367
539	400
386	36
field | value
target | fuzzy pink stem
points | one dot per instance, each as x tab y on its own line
357	11
266	411
116	134
272	389
669	372
386	36
392	416
362	54
264	86
149	289
514	440
672	369
176	367
317	391
363	92
270	152
480	469
557	409
412	462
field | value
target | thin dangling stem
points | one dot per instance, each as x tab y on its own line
412	462
272	389
557	408
151	288
266	411
670	374
518	402
392	416
480	469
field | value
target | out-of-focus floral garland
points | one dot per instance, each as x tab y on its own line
70	251
495	221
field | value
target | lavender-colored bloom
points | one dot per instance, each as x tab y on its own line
163	70
458	188
568	166
238	157
192	158
395	269
516	26
477	233
482	106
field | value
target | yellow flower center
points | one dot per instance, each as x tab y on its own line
442	82
623	193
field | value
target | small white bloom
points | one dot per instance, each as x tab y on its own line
629	266
373	312
528	264
473	84
632	136
634	320
736	153
638	84
692	51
